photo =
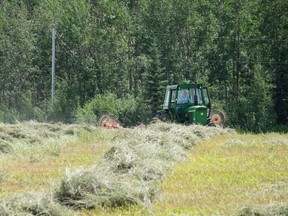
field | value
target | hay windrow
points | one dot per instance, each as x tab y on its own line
277	141
34	132
121	158
5	147
32	204
279	189
133	167
128	174
272	209
100	187
32	138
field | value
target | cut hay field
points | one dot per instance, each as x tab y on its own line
239	175
162	169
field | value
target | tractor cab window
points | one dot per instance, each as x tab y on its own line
170	97
198	94
206	97
188	96
173	96
183	96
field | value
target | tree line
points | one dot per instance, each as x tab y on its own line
129	50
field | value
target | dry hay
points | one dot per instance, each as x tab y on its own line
234	143
5	147
100	187
37	133
282	141
277	190
132	168
273	209
129	173
121	158
33	138
29	204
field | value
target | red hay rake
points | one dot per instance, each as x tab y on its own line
109	122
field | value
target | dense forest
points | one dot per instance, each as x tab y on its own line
118	55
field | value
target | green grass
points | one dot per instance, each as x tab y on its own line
223	175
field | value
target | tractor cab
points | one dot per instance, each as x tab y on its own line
187	103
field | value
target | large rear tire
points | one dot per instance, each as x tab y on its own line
163	116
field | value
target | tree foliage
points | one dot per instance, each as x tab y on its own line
237	48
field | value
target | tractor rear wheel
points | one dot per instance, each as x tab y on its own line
163	116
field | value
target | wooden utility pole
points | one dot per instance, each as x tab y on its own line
53	64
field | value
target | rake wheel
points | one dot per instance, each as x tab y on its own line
107	121
218	118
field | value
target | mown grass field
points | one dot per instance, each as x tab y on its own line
227	174
164	169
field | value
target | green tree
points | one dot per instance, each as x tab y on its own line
155	81
16	54
274	31
73	26
255	109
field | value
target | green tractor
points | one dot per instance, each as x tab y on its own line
189	103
